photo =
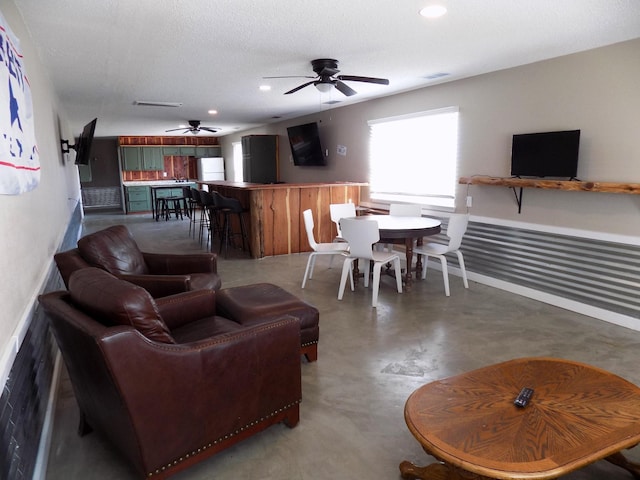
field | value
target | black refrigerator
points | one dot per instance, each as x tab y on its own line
260	158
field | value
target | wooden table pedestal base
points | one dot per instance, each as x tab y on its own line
442	471
436	471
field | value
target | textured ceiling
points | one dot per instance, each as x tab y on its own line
103	55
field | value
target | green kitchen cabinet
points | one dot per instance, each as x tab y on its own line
171	151
138	199
131	158
85	173
188	151
142	159
152	158
209	151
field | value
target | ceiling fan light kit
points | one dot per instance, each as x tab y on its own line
327	77
194	128
324	87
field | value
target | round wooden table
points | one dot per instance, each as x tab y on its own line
403	230
578	414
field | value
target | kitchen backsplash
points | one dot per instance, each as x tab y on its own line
175	166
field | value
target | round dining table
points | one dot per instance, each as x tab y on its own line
403	230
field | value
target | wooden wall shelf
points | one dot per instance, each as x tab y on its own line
569	185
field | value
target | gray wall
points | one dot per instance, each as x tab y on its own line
595	91
33	224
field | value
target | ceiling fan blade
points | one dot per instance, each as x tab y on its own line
356	78
299	87
174	129
292	76
344	88
209	129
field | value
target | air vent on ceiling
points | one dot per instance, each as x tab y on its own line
434	76
146	103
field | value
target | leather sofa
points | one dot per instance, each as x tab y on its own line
114	250
169	381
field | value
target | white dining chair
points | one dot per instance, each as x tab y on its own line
361	235
319	248
405	209
455	231
402	210
338	211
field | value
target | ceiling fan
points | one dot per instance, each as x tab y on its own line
326	78
194	128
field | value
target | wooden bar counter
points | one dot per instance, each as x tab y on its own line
274	212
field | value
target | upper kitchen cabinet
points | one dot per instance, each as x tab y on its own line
209	151
188	151
131	158
171	151
152	158
142	158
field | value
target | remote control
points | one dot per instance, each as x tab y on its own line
523	397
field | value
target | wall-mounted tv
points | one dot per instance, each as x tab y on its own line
546	154
83	145
305	145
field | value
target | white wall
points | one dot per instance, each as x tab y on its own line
33	224
595	91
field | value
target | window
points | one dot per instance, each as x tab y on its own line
238	173
413	158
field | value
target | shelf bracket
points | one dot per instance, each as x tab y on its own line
518	196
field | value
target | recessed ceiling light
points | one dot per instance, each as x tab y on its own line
212	112
433	11
265	88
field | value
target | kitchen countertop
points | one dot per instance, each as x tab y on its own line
157	183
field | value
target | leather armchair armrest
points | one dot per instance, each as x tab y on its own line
183	308
179	264
160	285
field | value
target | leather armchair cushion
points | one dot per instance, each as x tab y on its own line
114	250
115	302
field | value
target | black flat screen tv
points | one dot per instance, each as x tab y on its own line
547	154
83	145
305	145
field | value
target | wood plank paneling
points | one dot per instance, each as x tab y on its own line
274	216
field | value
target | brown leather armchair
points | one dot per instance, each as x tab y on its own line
167	381
114	250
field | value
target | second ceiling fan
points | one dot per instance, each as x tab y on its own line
194	127
326	78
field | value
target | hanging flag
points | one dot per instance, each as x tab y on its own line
19	161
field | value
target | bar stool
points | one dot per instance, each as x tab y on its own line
204	215
230	206
190	205
166	206
188	201
197	205
211	216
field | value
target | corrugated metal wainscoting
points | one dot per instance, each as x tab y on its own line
593	272
101	197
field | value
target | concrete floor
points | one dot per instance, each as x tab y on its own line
370	360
